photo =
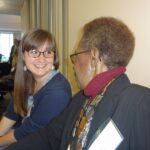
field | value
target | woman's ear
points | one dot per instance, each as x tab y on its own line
95	54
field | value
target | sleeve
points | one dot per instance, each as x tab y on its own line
52	102
10	113
141	128
48	138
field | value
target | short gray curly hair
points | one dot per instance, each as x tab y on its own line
112	38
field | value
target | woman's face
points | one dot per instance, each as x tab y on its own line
81	66
40	66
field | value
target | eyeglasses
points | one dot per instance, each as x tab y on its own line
34	53
73	56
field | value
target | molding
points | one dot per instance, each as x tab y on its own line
65	36
59	28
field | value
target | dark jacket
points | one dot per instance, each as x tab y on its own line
127	104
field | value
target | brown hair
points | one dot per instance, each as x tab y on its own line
112	38
24	81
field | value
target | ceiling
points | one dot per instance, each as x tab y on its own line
11	7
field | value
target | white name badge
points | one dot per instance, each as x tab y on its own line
109	138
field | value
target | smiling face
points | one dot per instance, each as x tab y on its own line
40	66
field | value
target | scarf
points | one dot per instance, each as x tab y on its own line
98	83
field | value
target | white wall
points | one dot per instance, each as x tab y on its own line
10	22
136	14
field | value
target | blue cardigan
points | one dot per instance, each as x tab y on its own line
49	101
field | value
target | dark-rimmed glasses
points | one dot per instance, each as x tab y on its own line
73	56
34	53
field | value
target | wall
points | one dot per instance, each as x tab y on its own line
134	13
10	22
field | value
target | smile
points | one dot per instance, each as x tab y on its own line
40	65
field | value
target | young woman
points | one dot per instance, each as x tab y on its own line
41	92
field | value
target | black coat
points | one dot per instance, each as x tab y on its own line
127	104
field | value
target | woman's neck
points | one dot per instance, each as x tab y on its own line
39	82
38	86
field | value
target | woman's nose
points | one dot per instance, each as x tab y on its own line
41	57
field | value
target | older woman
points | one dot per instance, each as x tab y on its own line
107	97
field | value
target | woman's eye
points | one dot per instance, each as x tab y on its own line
34	51
49	52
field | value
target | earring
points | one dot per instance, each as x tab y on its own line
53	67
93	65
25	68
91	68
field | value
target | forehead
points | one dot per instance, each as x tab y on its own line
45	45
36	44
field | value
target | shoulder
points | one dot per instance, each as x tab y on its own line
59	80
58	84
136	97
132	98
139	87
137	90
142	96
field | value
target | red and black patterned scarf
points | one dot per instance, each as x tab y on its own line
98	83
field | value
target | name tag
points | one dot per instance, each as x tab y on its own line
108	139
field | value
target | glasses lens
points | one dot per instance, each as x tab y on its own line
33	53
73	56
48	53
